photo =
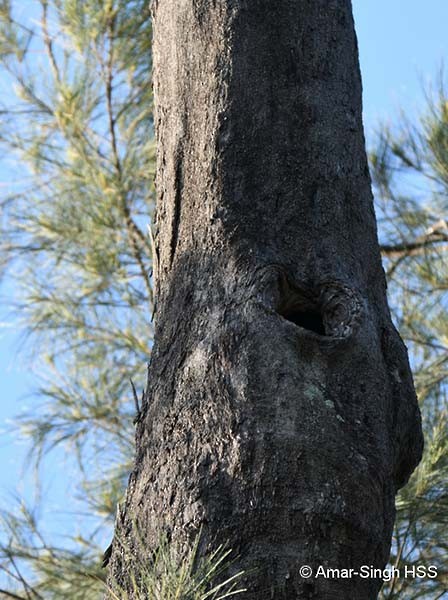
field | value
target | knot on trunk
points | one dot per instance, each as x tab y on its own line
341	308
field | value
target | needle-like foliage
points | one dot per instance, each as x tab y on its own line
165	578
76	197
410	174
76	133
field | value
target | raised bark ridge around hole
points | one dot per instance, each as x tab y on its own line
330	308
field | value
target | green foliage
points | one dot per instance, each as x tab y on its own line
77	134
38	569
166	578
409	169
76	131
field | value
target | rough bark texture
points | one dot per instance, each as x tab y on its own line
280	413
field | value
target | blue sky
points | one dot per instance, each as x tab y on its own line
402	45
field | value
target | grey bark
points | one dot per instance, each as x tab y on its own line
280	414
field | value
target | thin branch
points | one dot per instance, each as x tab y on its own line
11	595
48	42
29	590
426	343
109	88
417	247
391	270
135	234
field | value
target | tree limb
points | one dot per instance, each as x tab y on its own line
11	595
417	247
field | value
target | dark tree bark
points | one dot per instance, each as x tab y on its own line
280	413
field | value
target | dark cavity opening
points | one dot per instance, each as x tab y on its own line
307	319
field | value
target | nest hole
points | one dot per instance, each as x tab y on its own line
307	319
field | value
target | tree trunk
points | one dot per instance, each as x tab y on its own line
280	414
